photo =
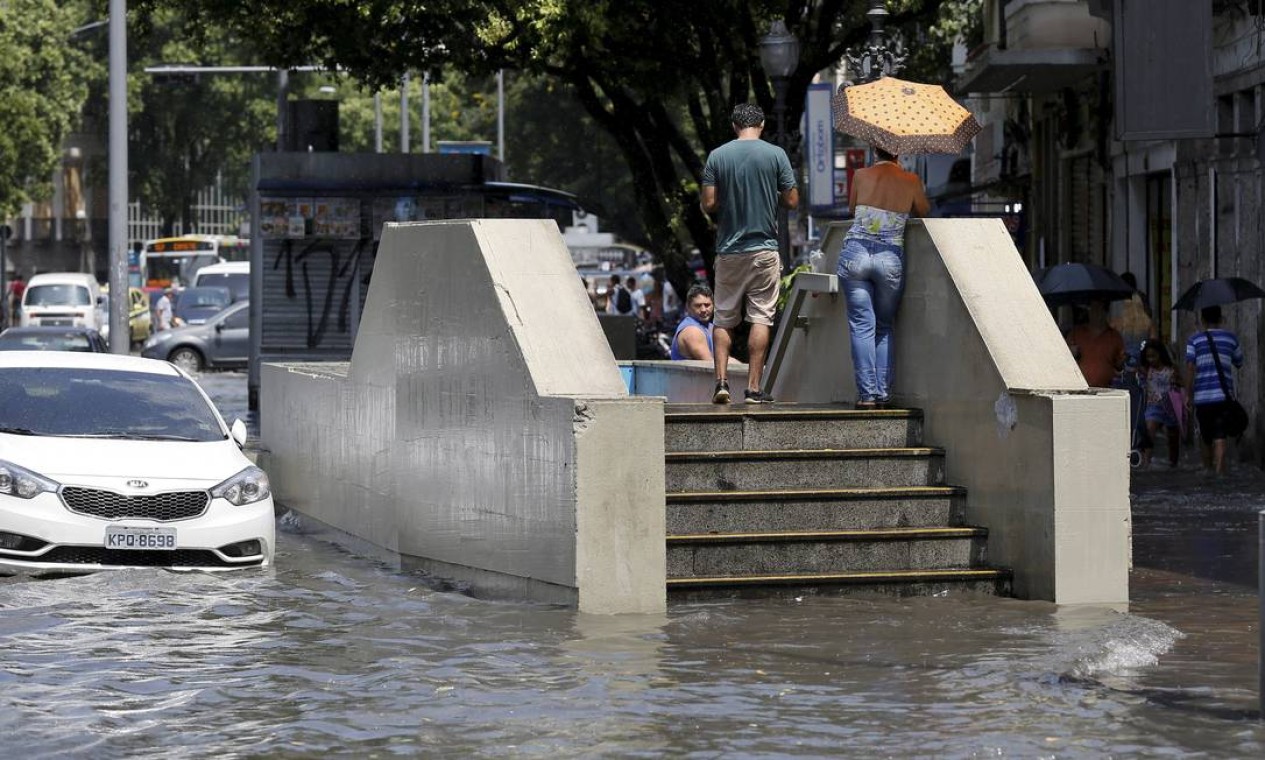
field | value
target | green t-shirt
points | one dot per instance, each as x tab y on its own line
748	176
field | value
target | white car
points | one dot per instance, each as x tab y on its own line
111	461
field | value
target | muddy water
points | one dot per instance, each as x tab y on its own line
334	654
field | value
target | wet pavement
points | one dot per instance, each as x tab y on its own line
334	654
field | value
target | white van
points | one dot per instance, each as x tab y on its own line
61	299
233	275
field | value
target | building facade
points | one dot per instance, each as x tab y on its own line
1047	88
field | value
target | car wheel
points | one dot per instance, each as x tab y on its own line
187	359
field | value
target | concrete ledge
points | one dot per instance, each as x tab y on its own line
482	430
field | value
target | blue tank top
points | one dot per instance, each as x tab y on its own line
879	224
689	321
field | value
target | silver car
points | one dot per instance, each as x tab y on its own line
222	342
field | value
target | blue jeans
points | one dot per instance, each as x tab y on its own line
872	275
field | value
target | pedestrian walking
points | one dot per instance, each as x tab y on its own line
744	181
1209	353
162	310
872	269
1097	348
1162	386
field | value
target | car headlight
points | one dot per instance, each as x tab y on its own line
22	483
246	487
157	338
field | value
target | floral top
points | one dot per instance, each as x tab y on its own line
1158	381
879	224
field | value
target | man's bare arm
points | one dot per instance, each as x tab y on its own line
692	344
707	199
790	198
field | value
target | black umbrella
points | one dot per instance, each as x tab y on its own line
1216	292
1080	283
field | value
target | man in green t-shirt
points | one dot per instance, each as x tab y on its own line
744	180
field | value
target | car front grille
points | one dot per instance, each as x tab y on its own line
96	555
108	505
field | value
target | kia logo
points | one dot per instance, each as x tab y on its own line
137	484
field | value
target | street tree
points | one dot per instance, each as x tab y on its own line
185	131
660	77
43	84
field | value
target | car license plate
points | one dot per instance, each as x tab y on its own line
58	322
126	537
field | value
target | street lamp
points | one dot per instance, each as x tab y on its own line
779	57
877	58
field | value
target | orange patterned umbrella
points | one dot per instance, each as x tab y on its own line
904	117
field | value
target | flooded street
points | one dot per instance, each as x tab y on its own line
335	654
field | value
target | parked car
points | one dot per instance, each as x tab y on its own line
234	275
193	305
139	319
223	342
61	299
111	461
53	339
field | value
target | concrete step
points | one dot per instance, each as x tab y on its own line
711	427
978	580
814	510
803	469
793	553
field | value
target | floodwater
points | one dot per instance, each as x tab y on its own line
334	654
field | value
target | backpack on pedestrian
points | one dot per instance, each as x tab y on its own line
623	301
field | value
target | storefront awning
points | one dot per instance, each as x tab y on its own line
1036	70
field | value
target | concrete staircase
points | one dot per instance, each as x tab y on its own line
790	498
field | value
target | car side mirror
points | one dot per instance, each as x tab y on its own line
238	432
219	327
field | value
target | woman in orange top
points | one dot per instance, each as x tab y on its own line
1097	347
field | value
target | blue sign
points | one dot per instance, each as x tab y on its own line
475	147
819	144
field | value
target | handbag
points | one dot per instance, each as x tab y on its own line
1235	415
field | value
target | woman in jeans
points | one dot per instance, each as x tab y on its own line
872	268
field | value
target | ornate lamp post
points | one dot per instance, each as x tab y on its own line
779	57
877	58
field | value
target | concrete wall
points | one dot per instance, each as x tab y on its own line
1043	457
482	430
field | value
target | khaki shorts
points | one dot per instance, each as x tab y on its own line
749	279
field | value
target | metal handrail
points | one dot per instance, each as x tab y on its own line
805	283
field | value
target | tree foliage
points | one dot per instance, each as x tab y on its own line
43	85
185	130
659	77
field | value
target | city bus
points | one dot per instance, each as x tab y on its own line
175	260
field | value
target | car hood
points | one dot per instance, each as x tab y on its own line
111	463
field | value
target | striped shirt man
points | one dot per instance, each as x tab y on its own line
1199	353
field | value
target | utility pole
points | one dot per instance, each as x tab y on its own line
120	332
404	113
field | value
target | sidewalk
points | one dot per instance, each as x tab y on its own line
1195	569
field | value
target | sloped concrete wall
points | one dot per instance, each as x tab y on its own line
482	431
1043	457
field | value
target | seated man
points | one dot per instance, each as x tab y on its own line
693	338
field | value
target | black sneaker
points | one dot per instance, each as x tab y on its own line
721	396
758	397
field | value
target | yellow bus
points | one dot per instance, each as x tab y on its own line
175	260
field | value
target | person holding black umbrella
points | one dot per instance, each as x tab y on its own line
1097	347
1208	354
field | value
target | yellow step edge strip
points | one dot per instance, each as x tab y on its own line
808	535
819	492
731	414
873	575
793	453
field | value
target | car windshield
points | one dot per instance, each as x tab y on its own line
238	283
203	297
44	341
57	295
94	403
